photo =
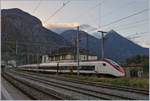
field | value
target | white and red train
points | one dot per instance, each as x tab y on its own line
103	67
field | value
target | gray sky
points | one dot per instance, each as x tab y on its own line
104	16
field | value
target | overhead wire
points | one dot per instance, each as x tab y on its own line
119	8
123	25
87	10
133	27
136	22
37	6
93	7
58	10
121	19
140	33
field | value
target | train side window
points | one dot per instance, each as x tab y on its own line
64	67
104	64
87	68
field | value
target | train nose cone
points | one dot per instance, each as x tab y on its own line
122	70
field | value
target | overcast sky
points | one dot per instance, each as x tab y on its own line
103	14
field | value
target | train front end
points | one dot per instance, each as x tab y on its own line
116	66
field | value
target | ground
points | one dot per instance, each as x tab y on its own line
131	82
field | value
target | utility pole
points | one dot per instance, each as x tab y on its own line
28	57
37	58
16	52
78	54
102	44
87	44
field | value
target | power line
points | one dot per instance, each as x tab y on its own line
143	22
36	7
127	26
99	16
58	10
135	35
130	27
120	7
88	10
124	18
136	22
116	21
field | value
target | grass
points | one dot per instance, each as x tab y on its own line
142	83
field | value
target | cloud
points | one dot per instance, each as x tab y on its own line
61	25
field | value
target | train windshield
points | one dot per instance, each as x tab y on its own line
114	63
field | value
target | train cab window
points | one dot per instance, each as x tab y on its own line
104	64
114	63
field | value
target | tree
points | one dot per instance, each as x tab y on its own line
141	60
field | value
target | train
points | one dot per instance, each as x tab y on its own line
101	67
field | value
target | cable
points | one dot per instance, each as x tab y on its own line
137	13
129	27
136	35
136	22
123	19
88	10
58	10
37	6
95	28
119	8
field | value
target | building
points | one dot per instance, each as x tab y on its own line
68	54
9	63
134	71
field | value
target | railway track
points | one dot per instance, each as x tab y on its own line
76	88
104	85
34	92
81	94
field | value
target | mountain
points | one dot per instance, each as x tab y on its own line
57	28
93	43
119	48
25	33
116	48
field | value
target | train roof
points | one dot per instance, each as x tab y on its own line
71	63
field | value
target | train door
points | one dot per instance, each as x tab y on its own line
97	68
60	69
71	69
57	68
